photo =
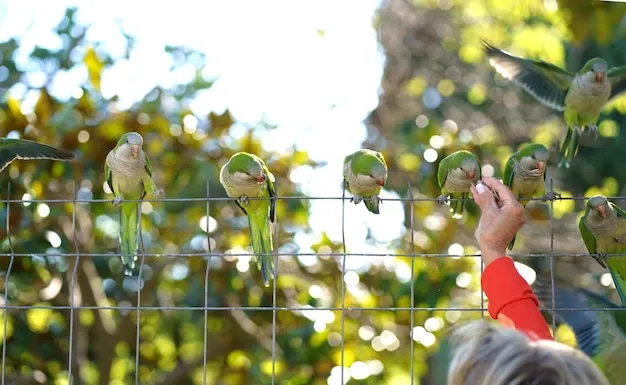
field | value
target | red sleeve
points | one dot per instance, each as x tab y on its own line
512	301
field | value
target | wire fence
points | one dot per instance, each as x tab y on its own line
410	200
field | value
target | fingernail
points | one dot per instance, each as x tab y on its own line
480	188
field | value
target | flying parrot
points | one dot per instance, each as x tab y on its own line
603	229
246	176
365	174
128	171
11	149
600	334
525	175
456	173
581	95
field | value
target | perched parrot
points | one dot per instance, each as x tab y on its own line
525	175
127	169
11	149
246	176
603	229
456	173
600	334
365	174
581	95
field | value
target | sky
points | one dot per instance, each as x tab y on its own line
271	63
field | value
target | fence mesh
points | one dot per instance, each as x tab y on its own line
75	258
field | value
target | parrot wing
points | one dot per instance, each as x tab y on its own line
11	149
546	82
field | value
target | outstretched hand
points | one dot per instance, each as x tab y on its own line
500	218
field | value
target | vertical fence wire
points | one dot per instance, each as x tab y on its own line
139	281
343	274
6	283
206	283
553	313
274	234
412	251
73	283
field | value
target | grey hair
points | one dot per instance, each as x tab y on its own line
485	353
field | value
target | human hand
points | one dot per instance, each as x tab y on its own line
499	220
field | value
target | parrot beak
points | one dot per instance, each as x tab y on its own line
602	211
600	77
135	149
380	182
471	174
541	166
260	178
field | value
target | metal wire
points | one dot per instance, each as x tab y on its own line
206	285
73	284
409	200
412	331
343	286
6	285
274	290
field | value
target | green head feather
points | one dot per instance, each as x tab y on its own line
536	151
596	201
245	163
369	162
132	138
596	65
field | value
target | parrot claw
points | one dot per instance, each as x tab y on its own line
356	199
603	256
442	199
375	200
117	201
159	192
578	130
551	195
243	200
593	129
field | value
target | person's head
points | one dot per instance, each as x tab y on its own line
490	354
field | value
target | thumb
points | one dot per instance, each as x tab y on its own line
482	195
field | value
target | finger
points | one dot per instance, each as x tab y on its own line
506	196
482	196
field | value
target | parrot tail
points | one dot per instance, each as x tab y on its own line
569	148
458	205
371	206
128	236
261	236
620	285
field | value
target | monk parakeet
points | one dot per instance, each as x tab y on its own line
581	95
603	229
11	149
600	334
246	176
456	173
525	175
365	174
127	169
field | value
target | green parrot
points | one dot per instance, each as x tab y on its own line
127	169
525	175
365	174
11	149
603	229
246	176
456	173
581	95
600	334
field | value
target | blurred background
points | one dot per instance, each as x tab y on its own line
301	84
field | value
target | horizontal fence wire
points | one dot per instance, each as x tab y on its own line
410	200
